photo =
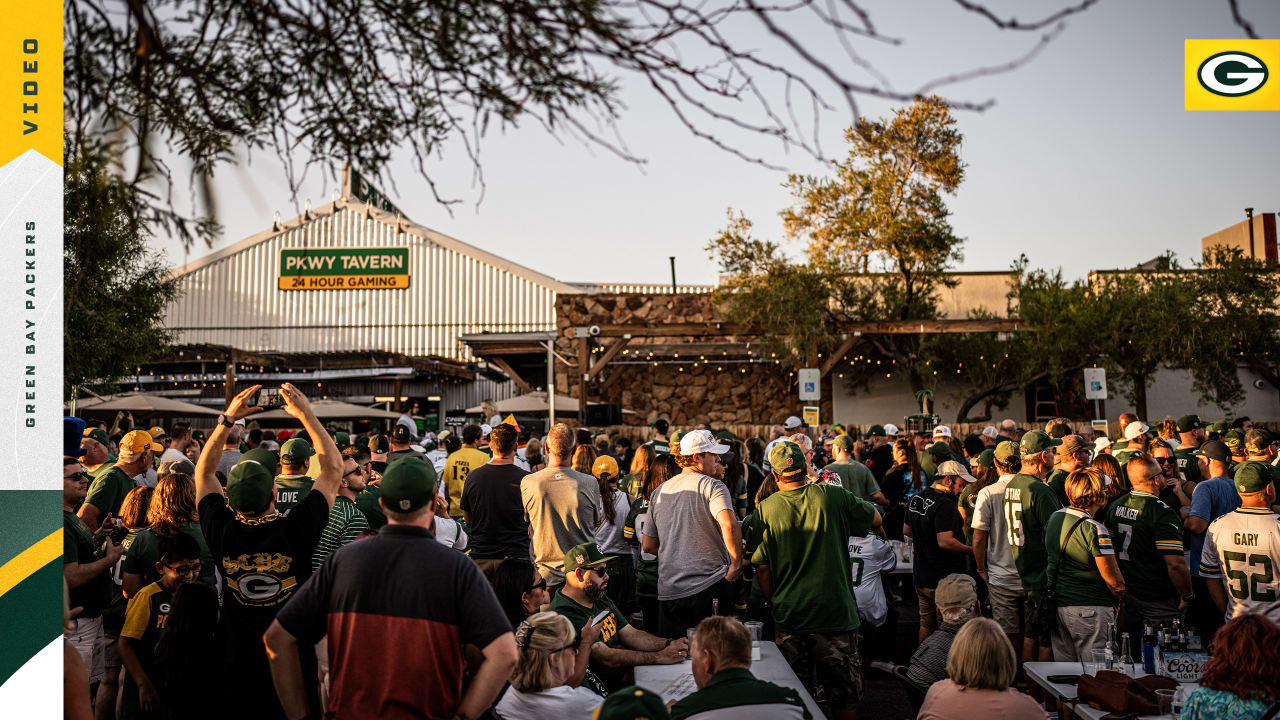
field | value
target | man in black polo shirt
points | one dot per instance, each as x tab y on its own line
263	556
397	608
491	504
721	655
935	524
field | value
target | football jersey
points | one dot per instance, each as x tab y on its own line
871	556
1028	505
1244	546
1143	530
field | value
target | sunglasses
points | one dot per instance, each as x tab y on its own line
540	585
185	569
357	471
82	475
1163	460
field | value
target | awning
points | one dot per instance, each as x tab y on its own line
331	410
141	404
531	403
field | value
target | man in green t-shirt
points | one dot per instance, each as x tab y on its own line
88	576
1073	454
94	453
620	645
804	543
293	483
106	493
1191	435
1132	432
1028	505
660	443
854	476
1148	542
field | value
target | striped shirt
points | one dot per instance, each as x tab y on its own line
346	522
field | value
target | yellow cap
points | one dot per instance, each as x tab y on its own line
605	468
136	442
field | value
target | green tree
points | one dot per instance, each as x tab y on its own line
116	287
1236	298
878	243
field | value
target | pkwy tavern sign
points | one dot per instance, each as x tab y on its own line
344	268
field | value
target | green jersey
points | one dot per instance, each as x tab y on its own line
346	523
290	489
1145	530
736	687
1188	463
1028	505
144	552
108	490
967	503
805	544
78	547
610	634
144	621
367	501
662	447
856	478
1057	482
752	531
646	564
1079	582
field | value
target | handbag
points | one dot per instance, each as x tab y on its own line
1044	616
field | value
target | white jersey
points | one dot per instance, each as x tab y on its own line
988	514
871	556
1244	545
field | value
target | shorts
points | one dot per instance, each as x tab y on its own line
1010	608
89	641
1082	629
1043	641
834	657
928	609
111	654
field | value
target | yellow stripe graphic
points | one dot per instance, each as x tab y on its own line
30	560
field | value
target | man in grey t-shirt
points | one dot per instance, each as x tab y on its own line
696	537
231	452
563	506
854	476
1010	604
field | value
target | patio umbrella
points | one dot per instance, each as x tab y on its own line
331	410
534	402
142	405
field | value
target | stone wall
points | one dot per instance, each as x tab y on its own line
687	392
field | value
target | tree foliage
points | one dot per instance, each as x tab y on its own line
115	286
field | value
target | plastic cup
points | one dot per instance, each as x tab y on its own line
1099	660
1165	698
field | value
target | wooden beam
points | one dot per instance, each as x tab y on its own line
396	389
609	354
505	367
583	363
892	327
830	364
230	380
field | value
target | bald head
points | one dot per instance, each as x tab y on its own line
1143	474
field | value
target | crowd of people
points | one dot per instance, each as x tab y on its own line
485	573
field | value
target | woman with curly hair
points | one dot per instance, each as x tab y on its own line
1242	678
172	510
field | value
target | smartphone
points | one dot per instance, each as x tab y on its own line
600	618
268	398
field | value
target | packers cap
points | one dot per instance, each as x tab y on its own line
136	442
250	487
1037	441
584	555
939	450
1187	423
1005	452
342	440
263	457
98	434
1215	429
379	444
986	458
674	437
1251	477
844	442
408	483
296	449
157	432
632	703
1234	439
787	459
877	431
605	468
1215	450
1257	441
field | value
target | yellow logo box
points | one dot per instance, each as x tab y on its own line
1232	74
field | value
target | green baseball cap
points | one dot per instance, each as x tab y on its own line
265	458
1215	429
1252	477
673	437
843	442
1037	441
198	435
1187	423
296	449
939	450
408	483
584	555
986	458
787	459
98	434
1234	439
725	436
342	440
877	431
632	703
1005	452
250	487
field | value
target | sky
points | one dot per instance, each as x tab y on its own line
1086	160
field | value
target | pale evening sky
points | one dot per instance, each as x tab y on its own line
1087	160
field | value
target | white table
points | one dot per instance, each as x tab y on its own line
771	667
1040	672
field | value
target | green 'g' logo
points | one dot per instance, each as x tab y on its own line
1232	73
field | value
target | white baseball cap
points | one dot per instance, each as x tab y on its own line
891	430
485	430
700	441
791	423
991	432
1101	444
942	431
1134	429
951	468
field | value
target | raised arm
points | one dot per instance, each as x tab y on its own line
206	482
297	405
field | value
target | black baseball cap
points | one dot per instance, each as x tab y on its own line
1215	450
401	434
379	444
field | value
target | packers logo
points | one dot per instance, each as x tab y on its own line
1232	73
164	608
259	587
404	505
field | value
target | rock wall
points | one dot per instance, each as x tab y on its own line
686	393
